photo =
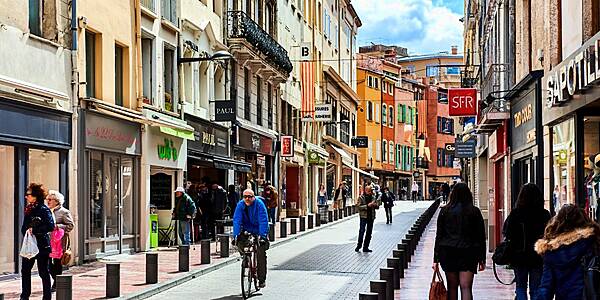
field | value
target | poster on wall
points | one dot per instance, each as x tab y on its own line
287	146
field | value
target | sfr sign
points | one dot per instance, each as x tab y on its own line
462	102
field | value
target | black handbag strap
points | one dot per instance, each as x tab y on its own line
497	278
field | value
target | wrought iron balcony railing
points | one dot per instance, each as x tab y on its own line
242	26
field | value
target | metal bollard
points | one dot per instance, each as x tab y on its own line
330	216
317	220
399	254
346	209
367	296
184	258
205	252
335	214
151	268
302	223
113	280
311	221
411	243
64	288
394	263
283	228
220	227
406	243
387	274
271	232
293	226
379	287
224	244
2	297
341	213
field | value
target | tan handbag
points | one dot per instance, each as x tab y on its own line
437	291
66	257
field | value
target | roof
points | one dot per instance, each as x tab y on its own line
428	56
341	83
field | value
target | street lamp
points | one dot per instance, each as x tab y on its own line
221	54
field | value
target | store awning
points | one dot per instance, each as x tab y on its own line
346	158
180	133
231	164
362	172
322	152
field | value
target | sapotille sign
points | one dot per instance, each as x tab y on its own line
576	73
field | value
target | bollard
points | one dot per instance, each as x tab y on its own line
224	244
311	221
411	243
394	263
302	223
387	274
293	226
113	280
220	227
379	287
399	254
365	296
317	220
330	216
205	252
151	268
335	214
184	258
283	228
64	288
271	232
406	248
341	213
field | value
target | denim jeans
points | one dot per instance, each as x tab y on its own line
368	225
522	274
43	271
184	232
271	212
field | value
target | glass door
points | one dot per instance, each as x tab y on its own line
113	205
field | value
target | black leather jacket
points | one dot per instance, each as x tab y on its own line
460	227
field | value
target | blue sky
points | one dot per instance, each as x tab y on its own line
422	26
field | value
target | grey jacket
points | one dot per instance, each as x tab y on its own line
64	220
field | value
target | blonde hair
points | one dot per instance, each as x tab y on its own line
57	195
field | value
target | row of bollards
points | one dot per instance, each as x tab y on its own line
390	277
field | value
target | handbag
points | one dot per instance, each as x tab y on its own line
437	291
591	276
66	257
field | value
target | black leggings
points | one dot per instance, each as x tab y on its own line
55	268
462	279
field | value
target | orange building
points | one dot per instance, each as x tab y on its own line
369	121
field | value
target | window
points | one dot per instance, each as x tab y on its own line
331	128
247	93
384	86
402	113
35	17
442	96
384	114
377	113
439	157
384	146
147	74
391	152
391	116
259	102
399	112
398	157
119	75
376	83
320	18
370	81
432	70
409	115
378	150
169	68
169	11
453	70
90	64
345	126
270	105
370	148
369	110
391	89
411	69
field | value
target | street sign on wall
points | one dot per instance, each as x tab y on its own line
360	142
465	149
462	102
323	112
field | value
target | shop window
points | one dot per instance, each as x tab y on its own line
7	217
96	195
119	74
44	168
169	80
563	151
147	72
591	148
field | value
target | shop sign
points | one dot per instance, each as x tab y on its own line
523	122
416	174
462	102
360	142
106	133
323	112
167	151
260	160
523	116
225	111
314	158
255	142
209	140
578	72
450	148
562	157
287	146
465	149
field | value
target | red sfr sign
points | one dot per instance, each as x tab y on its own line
462	102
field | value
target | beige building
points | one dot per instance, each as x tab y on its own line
443	69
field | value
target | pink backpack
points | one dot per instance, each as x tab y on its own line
56	243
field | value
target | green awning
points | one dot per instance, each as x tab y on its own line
180	133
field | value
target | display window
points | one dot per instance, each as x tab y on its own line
44	168
591	163
7	219
563	163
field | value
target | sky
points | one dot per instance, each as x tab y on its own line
422	26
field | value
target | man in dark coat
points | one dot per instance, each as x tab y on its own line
387	198
367	204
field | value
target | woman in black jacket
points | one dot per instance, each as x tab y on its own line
460	242
37	220
523	227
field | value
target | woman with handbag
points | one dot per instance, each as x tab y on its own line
570	237
523	227
460	246
61	253
37	221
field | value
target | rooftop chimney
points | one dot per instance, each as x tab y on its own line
454	50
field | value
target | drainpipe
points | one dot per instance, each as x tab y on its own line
77	125
139	92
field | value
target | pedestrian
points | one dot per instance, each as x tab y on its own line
415	191
388	202
205	208
367	204
445	192
570	236
523	227
322	198
184	212
272	201
460	242
233	197
38	221
340	195
63	221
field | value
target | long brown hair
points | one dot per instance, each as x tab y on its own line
570	218
461	194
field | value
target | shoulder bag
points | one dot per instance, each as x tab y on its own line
66	257
591	276
437	291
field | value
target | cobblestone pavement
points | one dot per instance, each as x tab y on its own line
322	265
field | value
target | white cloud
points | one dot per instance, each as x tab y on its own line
419	25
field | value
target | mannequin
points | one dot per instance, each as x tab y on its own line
593	186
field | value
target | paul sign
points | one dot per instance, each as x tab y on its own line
462	102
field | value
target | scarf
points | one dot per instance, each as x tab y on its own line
29	208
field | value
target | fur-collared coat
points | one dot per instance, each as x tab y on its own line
563	272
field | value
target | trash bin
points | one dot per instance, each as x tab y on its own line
323	208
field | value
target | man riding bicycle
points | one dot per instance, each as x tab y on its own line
251	216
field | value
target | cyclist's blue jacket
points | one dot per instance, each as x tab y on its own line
251	218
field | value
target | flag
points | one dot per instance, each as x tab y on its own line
307	82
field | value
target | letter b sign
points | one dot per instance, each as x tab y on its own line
305	51
462	102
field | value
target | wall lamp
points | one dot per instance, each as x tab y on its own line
221	54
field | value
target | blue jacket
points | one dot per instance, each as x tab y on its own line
563	272
41	222
251	218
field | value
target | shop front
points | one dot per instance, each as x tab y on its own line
316	165
257	150
110	215
34	147
292	181
498	174
526	142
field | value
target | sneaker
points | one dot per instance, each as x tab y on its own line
367	250
262	285
357	249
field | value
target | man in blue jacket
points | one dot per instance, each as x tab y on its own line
251	216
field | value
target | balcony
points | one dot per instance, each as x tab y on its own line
248	40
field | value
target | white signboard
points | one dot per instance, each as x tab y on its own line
305	51
323	112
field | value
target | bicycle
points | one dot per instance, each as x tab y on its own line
249	274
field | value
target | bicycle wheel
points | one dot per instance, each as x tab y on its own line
246	278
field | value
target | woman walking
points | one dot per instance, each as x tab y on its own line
63	221
388	202
569	236
460	242
322	198
38	221
523	227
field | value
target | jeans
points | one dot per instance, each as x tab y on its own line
261	257
322	200
388	214
56	268
271	212
184	232
43	271
521	276
368	224
414	196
